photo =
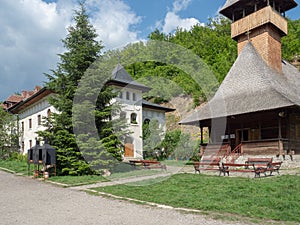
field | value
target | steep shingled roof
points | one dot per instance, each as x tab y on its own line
151	105
233	5
120	77
251	86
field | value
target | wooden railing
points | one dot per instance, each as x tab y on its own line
215	150
235	153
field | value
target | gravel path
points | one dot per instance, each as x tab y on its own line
27	201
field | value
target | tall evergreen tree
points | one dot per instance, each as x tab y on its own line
82	50
9	134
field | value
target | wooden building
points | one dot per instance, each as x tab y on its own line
256	110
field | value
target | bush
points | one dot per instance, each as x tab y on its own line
15	156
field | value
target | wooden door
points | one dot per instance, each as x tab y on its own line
129	150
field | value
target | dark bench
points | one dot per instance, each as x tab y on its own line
207	164
255	165
236	167
259	161
147	164
261	165
274	166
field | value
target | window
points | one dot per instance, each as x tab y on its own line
23	146
30	124
30	143
146	121
127	95
120	94
49	113
22	126
39	120
133	117
133	97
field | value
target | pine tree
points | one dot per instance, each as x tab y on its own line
82	50
9	134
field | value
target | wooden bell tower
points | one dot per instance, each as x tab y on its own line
263	23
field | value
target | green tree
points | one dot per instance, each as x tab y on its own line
152	136
82	50
9	134
291	43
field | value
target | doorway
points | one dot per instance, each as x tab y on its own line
128	147
241	135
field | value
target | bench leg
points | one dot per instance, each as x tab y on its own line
257	174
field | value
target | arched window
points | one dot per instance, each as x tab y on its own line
133	118
146	121
49	113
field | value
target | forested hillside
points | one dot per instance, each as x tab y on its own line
215	47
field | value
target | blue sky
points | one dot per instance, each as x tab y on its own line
31	30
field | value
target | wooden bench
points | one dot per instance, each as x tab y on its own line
274	166
150	164
259	161
207	164
236	167
257	169
147	164
261	165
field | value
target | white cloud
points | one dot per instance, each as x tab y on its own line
31	32
179	5
113	22
29	42
173	20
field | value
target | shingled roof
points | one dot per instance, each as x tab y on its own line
147	104
251	86
236	5
120	77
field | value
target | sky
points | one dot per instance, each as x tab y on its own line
31	30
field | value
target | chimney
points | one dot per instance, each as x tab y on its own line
261	22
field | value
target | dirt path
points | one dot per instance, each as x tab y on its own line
27	201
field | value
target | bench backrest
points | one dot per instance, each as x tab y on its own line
259	160
210	160
235	164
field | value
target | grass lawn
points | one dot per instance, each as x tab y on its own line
21	167
77	180
275	198
16	166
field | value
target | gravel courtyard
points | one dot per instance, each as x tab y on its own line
24	200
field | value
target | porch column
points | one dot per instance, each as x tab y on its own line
228	131
201	133
259	128
279	128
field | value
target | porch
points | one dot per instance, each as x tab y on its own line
275	132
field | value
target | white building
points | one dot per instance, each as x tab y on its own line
33	109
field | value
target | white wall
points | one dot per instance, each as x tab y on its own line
28	136
131	106
157	115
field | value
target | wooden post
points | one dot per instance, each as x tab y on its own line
279	128
228	132
209	135
259	128
201	130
